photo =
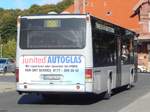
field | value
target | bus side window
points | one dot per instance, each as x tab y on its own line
127	53
104	50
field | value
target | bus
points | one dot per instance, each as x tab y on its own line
73	53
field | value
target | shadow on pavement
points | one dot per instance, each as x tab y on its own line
66	99
74	99
120	99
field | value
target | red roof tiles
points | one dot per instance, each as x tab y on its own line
115	11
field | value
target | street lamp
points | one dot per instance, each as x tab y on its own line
1	46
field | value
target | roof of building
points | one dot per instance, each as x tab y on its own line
118	12
139	3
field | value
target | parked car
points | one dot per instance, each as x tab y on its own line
7	65
141	68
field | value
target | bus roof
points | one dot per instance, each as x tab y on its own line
45	16
54	16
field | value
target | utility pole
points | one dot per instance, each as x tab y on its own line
84	7
79	6
76	7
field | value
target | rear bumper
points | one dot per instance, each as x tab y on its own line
27	88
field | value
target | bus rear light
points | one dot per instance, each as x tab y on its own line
88	73
17	75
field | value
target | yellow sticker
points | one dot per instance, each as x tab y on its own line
52	23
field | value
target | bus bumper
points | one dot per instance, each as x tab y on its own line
28	88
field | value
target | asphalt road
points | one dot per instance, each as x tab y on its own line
12	102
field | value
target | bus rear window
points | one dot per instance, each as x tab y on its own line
52	33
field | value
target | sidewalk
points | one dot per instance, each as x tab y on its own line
7	86
7	74
140	105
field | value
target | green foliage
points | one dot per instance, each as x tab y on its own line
63	5
9	49
8	24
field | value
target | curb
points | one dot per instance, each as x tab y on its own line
7	87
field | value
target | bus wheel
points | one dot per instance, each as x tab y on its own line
128	86
107	95
109	90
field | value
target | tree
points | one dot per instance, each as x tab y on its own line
9	49
8	22
8	25
61	6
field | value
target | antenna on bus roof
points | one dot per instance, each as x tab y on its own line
52	12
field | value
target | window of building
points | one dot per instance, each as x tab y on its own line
142	48
149	56
148	47
148	26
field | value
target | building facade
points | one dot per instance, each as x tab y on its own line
118	12
142	9
130	14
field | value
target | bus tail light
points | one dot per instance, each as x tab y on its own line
88	73
17	75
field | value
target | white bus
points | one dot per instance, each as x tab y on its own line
66	53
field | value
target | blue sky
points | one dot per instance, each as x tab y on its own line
23	4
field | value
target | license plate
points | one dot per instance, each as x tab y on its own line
52	76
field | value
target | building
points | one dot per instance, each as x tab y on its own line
142	9
119	12
130	14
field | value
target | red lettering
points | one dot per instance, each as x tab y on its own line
34	60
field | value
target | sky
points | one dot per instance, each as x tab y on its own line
24	4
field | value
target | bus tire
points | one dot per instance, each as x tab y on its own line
107	96
129	86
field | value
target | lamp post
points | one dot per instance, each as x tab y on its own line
1	46
1	50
